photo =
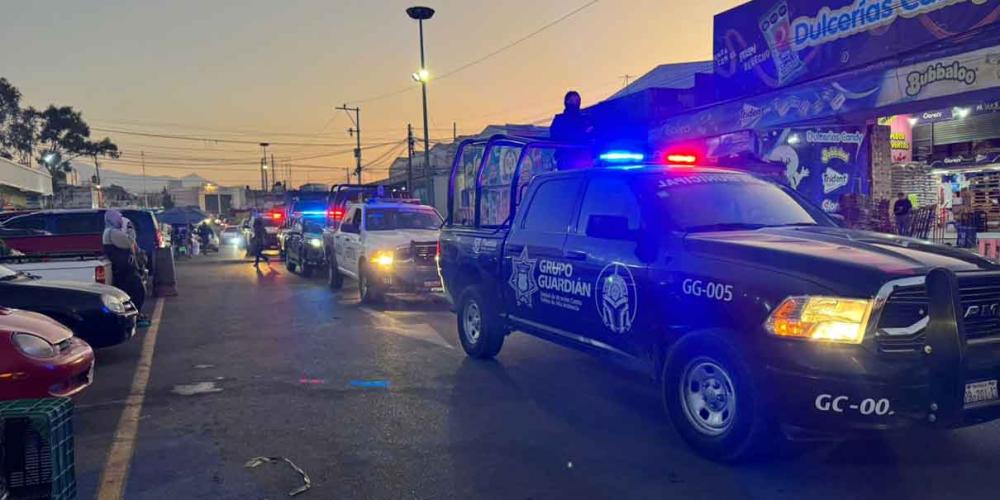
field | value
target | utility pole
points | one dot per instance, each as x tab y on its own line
409	159
145	194
274	169
421	14
263	167
627	78
454	131
356	132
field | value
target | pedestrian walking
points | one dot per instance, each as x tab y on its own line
121	251
259	242
903	211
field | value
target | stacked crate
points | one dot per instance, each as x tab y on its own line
984	194
915	179
36	440
881	160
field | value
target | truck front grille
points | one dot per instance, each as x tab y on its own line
906	307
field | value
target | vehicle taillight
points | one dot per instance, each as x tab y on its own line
101	275
437	251
159	238
277	215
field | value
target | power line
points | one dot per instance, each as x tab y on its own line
214	139
485	57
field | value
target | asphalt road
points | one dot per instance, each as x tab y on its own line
382	403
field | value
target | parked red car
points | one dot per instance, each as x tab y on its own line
41	358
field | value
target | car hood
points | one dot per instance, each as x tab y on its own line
78	286
390	239
833	254
16	320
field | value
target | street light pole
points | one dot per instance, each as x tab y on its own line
145	193
263	167
420	14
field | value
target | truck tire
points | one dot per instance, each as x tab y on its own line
334	279
370	294
714	403
479	328
289	265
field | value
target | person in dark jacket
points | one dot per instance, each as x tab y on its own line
259	242
121	251
574	127
902	209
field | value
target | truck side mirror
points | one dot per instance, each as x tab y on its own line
349	227
609	227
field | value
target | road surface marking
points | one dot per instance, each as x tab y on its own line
418	331
115	473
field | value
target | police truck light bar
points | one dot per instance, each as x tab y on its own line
621	156
682	159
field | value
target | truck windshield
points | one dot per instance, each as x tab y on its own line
388	219
723	202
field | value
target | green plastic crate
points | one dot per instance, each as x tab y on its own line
36	441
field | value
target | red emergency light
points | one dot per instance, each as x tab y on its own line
336	213
682	159
277	215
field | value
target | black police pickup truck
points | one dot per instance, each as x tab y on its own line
756	313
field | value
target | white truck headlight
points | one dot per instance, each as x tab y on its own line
383	258
315	242
821	319
33	345
113	304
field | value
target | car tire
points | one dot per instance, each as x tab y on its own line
289	265
370	294
713	401
334	279
479	328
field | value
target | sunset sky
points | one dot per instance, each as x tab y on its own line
255	70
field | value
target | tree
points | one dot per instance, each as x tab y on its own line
63	136
103	147
167	202
10	108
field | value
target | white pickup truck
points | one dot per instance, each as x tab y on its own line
82	267
388	246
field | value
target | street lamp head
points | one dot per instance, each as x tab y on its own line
420	13
421	76
264	144
50	158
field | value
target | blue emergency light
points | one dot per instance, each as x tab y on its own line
621	156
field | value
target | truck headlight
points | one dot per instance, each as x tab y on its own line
113	304
383	258
315	242
33	345
823	319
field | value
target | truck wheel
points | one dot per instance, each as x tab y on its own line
333	277
713	401
479	327
370	293
289	265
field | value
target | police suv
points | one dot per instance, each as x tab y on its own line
387	246
756	313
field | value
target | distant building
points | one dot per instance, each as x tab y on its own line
210	198
23	187
69	196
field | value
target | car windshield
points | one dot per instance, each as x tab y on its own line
389	219
699	202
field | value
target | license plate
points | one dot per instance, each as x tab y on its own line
979	392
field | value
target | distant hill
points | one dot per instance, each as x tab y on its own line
133	183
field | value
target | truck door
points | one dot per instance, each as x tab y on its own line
348	242
603	247
534	269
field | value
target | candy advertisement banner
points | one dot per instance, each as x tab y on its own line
821	163
767	44
859	91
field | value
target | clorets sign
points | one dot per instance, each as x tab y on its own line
766	44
